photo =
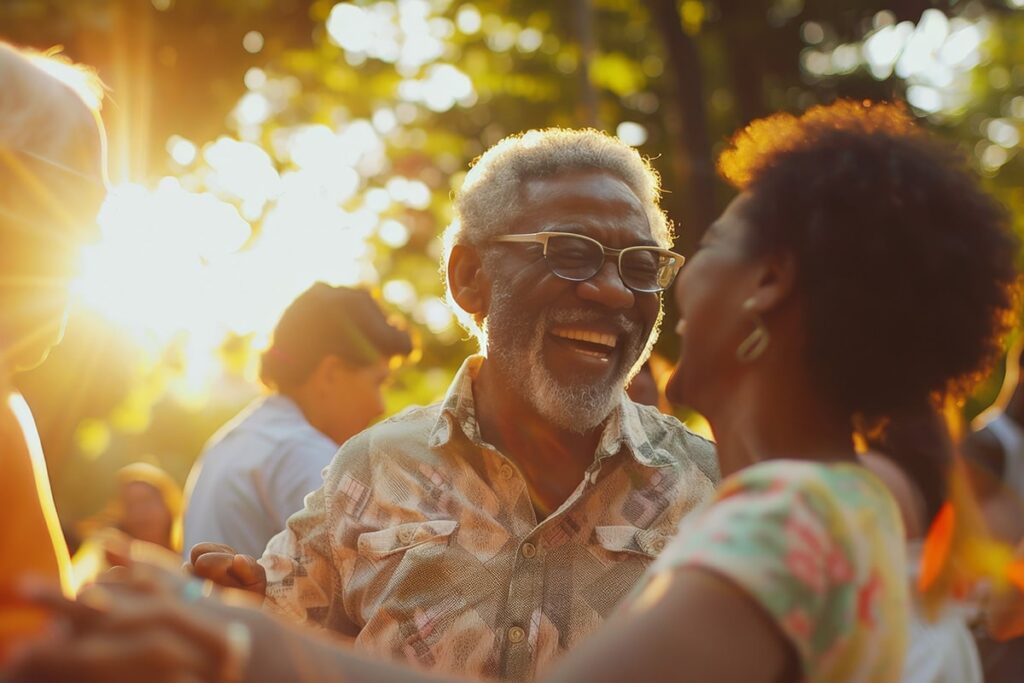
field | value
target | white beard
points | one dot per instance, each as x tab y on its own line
515	346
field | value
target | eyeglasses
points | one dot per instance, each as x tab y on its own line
578	258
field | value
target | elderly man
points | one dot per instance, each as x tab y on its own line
487	533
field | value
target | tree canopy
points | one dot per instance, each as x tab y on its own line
259	146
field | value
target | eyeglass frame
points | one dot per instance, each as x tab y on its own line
543	237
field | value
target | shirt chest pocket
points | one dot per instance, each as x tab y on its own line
644	544
378	545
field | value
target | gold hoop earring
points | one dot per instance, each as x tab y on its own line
753	347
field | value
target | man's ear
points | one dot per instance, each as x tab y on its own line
469	283
775	281
325	374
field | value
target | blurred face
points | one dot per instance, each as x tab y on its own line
567	348
354	399
709	294
145	515
47	219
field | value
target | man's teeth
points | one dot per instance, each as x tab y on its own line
602	338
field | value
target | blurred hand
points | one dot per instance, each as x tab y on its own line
134	630
219	563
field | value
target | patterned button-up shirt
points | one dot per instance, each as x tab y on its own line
424	546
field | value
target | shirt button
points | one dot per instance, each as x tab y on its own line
405	535
529	550
516	634
506	471
659	545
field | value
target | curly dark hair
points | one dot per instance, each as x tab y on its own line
906	267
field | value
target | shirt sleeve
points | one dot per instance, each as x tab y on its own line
783	545
311	560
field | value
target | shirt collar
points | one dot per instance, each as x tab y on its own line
458	408
623	428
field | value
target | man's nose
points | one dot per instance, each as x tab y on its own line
606	288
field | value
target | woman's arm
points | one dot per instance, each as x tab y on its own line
689	624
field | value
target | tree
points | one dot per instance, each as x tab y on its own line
331	151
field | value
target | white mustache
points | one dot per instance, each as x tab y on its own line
585	315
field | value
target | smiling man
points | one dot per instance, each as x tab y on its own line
487	533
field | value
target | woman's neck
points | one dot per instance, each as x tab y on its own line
768	419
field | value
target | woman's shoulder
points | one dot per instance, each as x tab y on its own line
841	484
819	547
765	511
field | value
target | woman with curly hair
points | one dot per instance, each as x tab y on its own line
859	272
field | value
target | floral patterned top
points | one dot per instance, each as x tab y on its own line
819	547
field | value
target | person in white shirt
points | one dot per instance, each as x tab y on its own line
329	358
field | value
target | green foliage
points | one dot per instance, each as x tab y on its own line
476	72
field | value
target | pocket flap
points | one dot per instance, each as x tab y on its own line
630	539
394	539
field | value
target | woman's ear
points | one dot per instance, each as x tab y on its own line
774	281
470	286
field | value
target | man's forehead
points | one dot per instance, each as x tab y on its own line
593	182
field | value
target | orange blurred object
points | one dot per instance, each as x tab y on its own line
936	547
960	551
1015	574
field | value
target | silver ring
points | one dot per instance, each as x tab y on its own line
193	591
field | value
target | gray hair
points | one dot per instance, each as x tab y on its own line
46	101
492	190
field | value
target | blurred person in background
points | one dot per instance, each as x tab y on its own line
940	647
327	364
849	221
995	450
643	388
1004	614
52	182
648	386
146	506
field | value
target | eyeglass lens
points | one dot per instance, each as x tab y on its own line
578	259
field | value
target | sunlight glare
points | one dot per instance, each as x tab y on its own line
182	150
632	133
401	293
394	234
468	19
242	170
